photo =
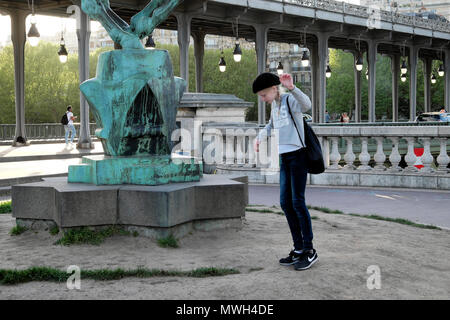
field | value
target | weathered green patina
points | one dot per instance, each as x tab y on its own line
151	170
134	98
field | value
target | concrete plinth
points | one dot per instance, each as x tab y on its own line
156	211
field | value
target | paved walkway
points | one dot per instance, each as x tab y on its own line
45	152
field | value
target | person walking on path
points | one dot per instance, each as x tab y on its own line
69	127
293	164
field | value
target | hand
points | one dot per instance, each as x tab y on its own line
256	145
286	81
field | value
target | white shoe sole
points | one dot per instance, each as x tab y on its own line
309	266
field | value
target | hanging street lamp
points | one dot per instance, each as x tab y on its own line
305	59
222	64
328	71
280	68
359	62
403	68
150	44
33	33
62	51
237	53
441	70
403	77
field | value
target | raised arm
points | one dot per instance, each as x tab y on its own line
143	23
117	28
298	101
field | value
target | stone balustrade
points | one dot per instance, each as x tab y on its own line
229	148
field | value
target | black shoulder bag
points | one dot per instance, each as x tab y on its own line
313	150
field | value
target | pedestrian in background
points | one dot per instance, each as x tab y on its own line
69	127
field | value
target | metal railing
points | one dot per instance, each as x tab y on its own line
41	131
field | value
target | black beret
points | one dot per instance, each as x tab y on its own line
265	80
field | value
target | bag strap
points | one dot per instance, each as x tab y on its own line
293	120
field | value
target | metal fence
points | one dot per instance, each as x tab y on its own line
41	131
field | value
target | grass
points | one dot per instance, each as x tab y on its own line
271	211
396	220
5	207
54	230
260	210
168	242
372	216
15	231
376	217
87	236
10	277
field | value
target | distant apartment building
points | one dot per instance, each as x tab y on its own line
423	7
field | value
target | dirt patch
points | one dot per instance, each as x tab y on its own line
414	263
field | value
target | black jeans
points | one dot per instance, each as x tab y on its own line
293	174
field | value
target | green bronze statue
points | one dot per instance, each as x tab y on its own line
134	98
134	95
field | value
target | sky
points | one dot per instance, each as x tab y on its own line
48	25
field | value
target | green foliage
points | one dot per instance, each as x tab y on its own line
168	242
5	207
15	231
85	235
341	92
54	230
10	277
50	86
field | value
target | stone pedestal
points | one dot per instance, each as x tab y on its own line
143	170
155	211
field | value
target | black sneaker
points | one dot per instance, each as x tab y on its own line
306	260
291	259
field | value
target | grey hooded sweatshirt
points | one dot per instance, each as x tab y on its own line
280	119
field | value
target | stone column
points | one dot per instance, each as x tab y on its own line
443	159
335	157
447	79
372	60
410	156
395	157
199	53
427	65
427	157
83	35
184	37
322	53
313	55
18	39
413	57
349	156
395	68
357	88
364	156
261	59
